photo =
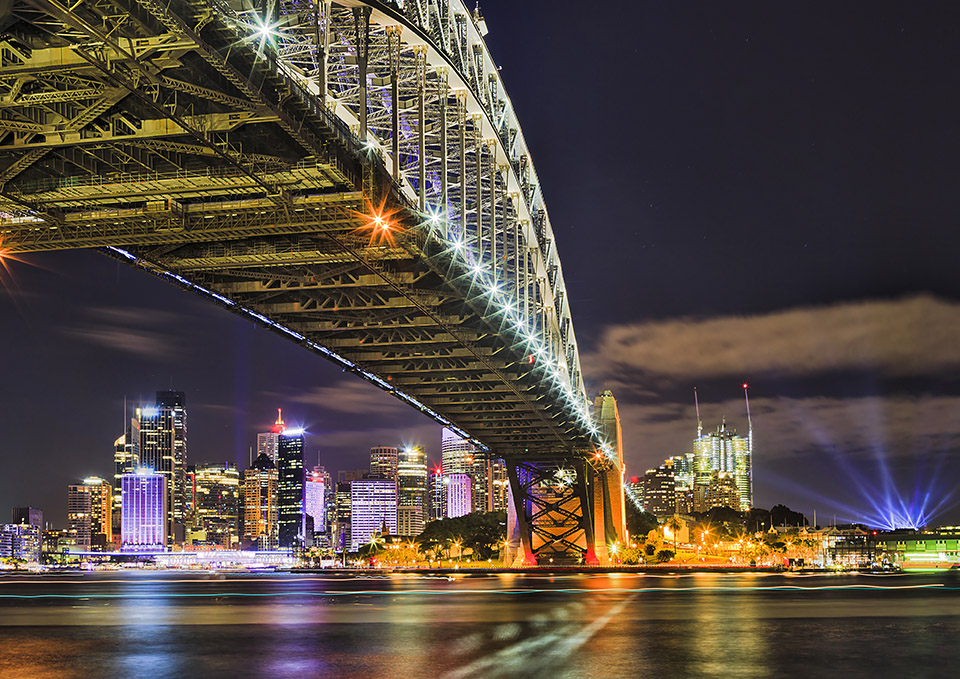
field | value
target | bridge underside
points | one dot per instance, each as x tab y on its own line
162	134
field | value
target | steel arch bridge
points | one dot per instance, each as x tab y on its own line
348	174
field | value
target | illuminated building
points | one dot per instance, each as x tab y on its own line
634	487
126	459
20	541
268	441
217	511
341	539
78	515
438	494
28	515
459	496
722	491
659	491
259	500
163	448
101	513
373	509
610	522
725	452
412	497
144	516
499	486
291	481
315	498
459	456
384	462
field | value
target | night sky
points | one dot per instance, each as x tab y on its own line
762	192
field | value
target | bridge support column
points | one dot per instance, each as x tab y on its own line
462	129
321	16
478	177
421	55
444	169
520	521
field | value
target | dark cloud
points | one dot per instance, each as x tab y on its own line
143	333
908	337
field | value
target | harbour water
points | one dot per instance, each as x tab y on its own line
156	624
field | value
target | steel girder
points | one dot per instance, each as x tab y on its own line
245	158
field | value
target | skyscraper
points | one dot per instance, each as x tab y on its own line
144	516
79	506
259	499
126	459
438	494
20	541
385	461
412	498
163	448
268	441
459	456
291	481
659	490
726	452
341	540
373	509
315	498
101	512
218	503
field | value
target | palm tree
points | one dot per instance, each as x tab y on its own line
674	525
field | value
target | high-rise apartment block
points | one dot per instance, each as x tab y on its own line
20	541
144	519
489	487
659	490
259	498
373	509
79	507
723	452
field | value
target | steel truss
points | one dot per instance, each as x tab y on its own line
245	157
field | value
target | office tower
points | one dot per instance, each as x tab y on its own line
722	491
218	503
499	486
79	507
341	539
268	441
291	480
101	512
634	490
459	498
438	494
315	499
20	541
385	461
144	518
659	491
459	456
373	509
126	460
259	498
412	499
163	448
28	515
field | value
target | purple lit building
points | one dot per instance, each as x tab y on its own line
144	511
459	499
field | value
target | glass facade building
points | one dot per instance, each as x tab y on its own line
291	482
373	509
144	515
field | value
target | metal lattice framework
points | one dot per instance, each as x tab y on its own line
349	174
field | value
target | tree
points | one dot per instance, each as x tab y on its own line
639	522
481	532
664	555
781	515
675	525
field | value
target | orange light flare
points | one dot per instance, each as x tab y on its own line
8	281
380	223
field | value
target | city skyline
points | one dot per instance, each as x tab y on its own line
838	305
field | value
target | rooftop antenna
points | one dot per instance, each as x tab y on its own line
251	456
746	396
696	402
